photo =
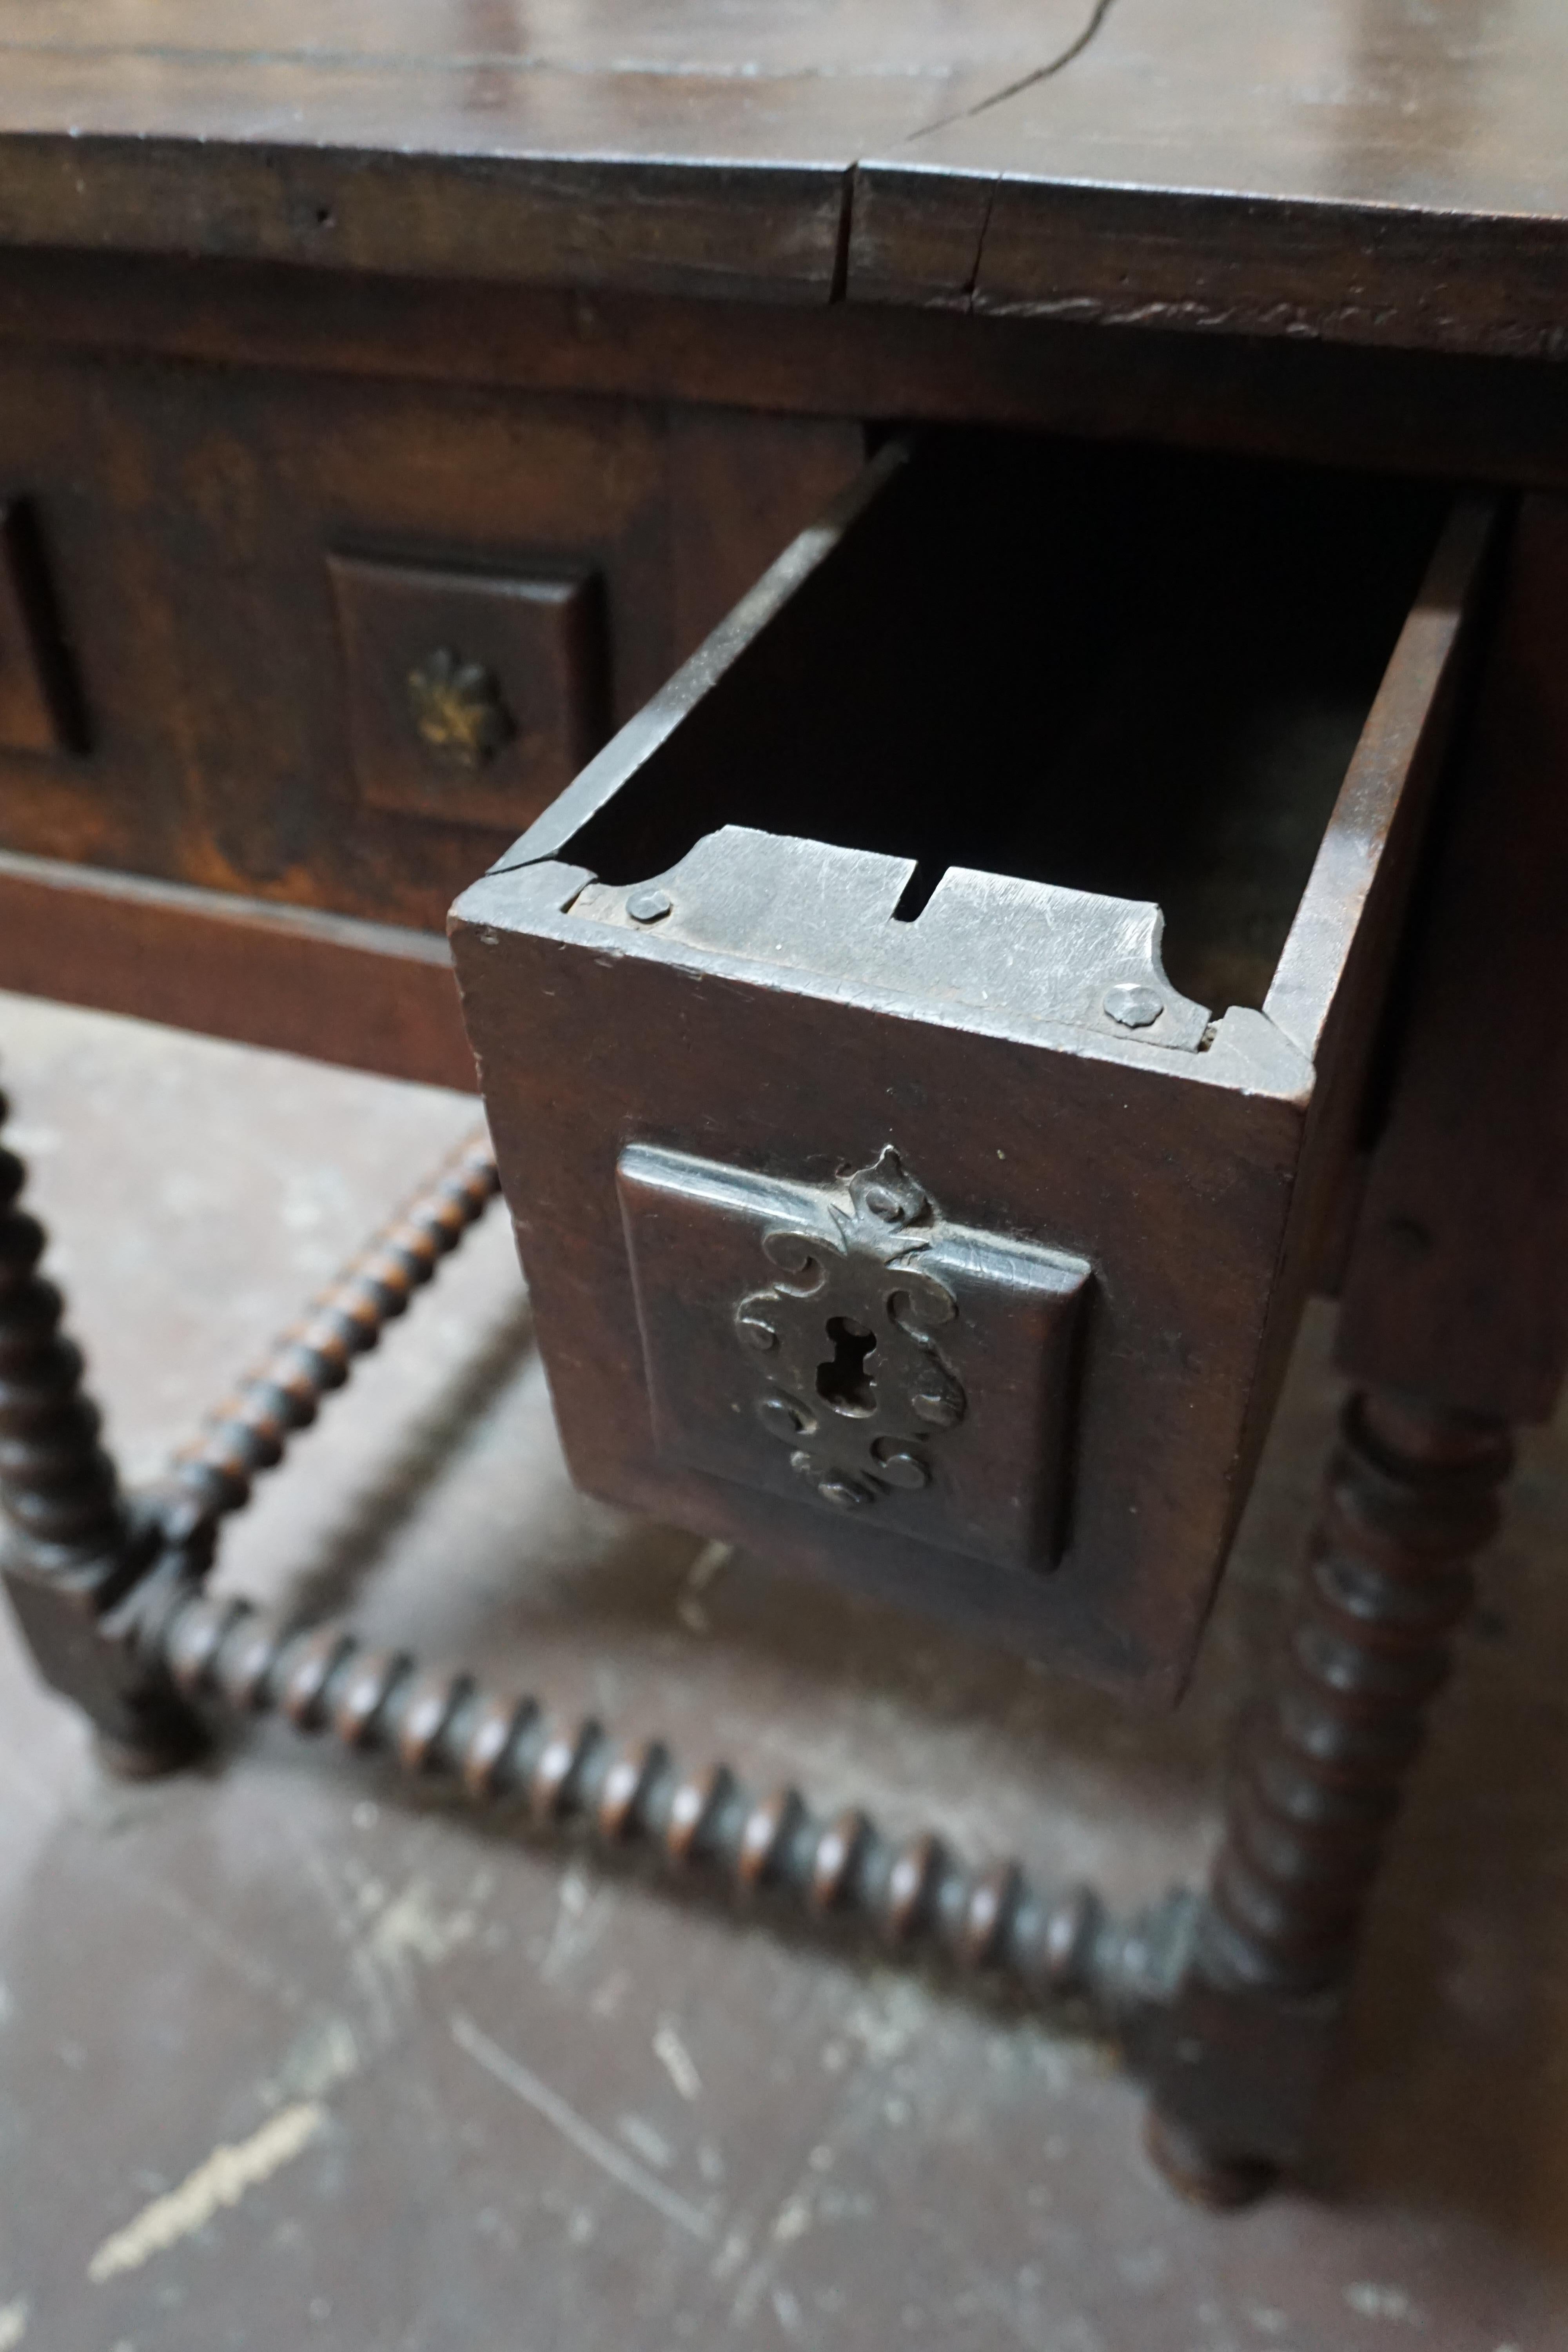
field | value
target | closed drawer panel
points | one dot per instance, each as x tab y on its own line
924	1048
334	640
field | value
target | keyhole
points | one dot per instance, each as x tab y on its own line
844	1382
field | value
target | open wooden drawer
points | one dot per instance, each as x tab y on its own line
924	1048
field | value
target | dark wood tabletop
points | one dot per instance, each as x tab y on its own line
1381	171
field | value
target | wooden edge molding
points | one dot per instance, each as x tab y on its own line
1374	831
369	996
769	230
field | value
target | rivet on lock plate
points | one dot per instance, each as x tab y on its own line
845	1344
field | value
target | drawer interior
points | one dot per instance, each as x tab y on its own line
1129	672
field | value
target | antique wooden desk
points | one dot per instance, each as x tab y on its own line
1162	405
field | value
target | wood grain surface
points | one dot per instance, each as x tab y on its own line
1378	171
1366	170
667	146
372	996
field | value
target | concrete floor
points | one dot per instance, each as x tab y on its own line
289	2059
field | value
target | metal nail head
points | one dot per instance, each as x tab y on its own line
1132	1005
650	905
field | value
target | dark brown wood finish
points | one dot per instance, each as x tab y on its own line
1239	2063
668	147
189	517
368	995
39	704
1457	1289
603	300
71	1544
1369	170
473	697
1195	1184
1397	412
1282	172
1454	1301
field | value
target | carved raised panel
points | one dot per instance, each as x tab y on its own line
473	697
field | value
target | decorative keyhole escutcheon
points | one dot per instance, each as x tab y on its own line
858	1420
846	1344
845	1382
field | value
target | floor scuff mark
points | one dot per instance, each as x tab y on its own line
414	1926
677	2062
1369	2301
514	2076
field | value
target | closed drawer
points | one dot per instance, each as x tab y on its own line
924	1048
333	639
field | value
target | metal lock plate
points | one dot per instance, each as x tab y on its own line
846	1344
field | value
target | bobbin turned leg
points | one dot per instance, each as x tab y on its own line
72	1546
1411	1498
1456	1292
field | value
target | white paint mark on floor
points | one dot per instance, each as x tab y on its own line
610	2159
12	2323
649	2144
222	2179
584	1912
888	2022
732	2254
607	2002
787	2311
1369	2301
704	1568
707	1565
677	2062
794	2219
325	2054
415	1926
